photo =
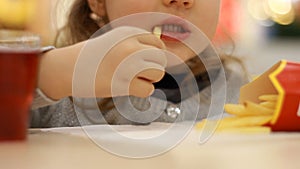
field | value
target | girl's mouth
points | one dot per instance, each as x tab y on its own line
173	30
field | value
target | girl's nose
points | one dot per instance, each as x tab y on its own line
179	3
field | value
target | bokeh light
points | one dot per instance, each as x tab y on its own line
15	13
282	12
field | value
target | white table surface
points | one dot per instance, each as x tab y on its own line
70	148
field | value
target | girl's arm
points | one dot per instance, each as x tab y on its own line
137	59
56	71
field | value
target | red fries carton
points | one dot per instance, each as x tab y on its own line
282	79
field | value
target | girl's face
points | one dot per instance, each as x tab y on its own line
202	13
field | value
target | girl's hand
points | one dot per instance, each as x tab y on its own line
124	61
131	66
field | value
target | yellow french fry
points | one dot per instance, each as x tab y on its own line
268	104
237	122
244	121
236	109
200	124
256	109
271	97
252	129
157	31
247	109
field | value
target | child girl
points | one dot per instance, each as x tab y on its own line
54	106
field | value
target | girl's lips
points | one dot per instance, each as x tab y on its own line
174	29
172	36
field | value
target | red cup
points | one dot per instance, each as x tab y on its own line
19	51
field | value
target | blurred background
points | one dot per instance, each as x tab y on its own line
260	32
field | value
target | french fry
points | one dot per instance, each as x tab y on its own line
268	104
157	31
252	129
200	124
256	109
235	109
271	97
248	117
244	121
247	109
231	122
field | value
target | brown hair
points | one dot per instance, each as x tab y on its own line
79	25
